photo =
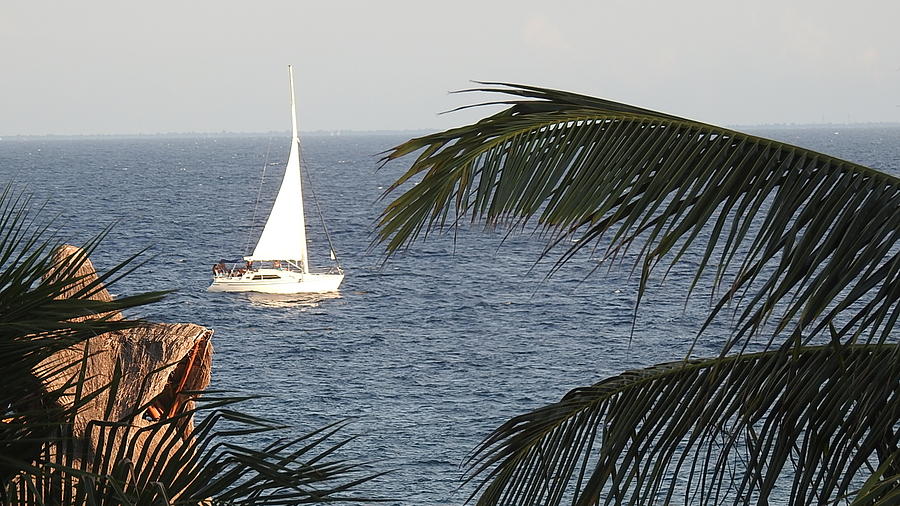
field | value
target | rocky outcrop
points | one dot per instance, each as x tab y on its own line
133	379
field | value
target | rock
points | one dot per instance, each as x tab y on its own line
136	376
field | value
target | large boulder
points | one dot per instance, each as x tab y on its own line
135	382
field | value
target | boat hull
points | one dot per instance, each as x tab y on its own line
287	282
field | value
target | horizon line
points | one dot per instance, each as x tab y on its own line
339	132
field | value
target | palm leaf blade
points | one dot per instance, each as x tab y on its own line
632	433
590	168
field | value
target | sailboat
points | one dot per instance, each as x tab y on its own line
280	262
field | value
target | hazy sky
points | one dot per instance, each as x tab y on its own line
102	67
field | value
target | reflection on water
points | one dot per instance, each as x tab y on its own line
287	300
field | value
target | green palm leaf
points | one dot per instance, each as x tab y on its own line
730	429
36	321
883	487
785	231
158	466
805	233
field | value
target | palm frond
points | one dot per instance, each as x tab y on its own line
37	319
153	464
785	224
808	423
883	487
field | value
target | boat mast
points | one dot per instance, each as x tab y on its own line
295	144
294	136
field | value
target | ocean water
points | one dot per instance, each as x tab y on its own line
426	352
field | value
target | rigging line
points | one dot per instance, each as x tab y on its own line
312	191
262	177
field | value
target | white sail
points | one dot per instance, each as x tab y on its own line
284	236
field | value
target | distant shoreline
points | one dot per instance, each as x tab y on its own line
809	126
408	133
187	135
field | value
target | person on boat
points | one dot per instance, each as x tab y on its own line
220	268
276	264
249	265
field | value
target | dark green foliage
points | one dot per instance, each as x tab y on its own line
745	419
587	169
803	245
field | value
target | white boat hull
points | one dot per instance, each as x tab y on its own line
277	281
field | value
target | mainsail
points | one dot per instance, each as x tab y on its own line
284	236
